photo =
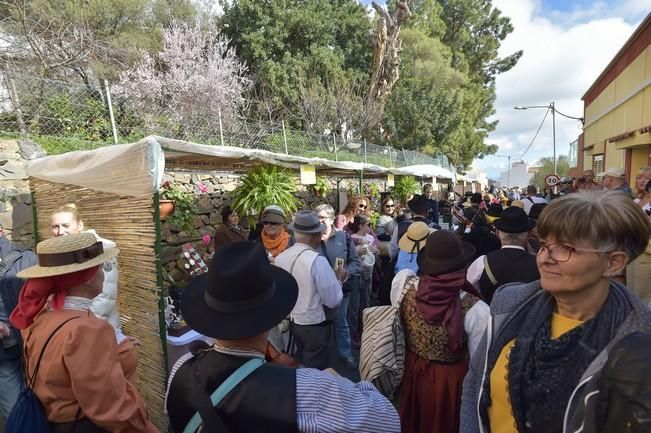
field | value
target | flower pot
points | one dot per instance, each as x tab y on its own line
165	208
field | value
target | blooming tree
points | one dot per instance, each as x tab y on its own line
194	78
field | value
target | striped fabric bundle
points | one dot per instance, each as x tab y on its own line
382	355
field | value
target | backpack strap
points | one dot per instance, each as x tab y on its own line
206	413
489	272
32	379
291	267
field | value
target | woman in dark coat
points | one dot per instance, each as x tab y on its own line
230	231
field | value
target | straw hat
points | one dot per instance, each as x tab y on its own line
67	254
414	238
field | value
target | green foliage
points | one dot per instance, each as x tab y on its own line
404	188
185	206
546	165
322	186
264	186
287	43
374	216
372	190
447	86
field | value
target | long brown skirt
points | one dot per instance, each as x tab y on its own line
430	395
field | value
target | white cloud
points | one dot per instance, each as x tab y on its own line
564	53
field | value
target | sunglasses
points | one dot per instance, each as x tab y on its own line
362	206
389	205
269	223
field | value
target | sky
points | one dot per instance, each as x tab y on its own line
567	44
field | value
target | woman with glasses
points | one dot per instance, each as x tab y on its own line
357	205
539	364
386	222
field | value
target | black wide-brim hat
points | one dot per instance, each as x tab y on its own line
241	296
514	220
418	203
444	252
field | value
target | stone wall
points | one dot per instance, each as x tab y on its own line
208	217
15	199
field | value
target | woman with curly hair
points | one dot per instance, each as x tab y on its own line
357	205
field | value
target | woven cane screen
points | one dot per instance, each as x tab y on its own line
128	222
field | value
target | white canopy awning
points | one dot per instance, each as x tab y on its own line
137	169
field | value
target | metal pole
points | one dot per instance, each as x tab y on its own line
554	132
365	159
285	137
508	173
221	129
334	141
390	156
110	108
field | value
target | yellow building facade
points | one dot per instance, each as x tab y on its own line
617	110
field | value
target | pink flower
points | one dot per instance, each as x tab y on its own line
206	239
202	187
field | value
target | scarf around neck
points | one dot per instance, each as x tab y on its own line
275	245
543	372
437	299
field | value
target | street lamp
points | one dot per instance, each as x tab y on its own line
551	107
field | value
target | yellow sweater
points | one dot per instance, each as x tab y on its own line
500	415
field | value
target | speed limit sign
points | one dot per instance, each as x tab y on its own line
552	180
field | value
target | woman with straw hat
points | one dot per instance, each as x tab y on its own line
71	356
444	320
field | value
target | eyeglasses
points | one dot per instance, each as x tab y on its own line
362	206
269	223
563	253
323	217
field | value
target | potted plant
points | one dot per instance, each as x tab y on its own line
183	206
264	186
404	188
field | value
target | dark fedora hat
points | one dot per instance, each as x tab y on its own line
444	252
307	221
514	220
418	203
494	210
241	296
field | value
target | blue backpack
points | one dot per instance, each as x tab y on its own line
28	414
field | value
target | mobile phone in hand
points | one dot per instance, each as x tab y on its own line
339	262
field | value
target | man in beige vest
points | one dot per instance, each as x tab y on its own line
318	286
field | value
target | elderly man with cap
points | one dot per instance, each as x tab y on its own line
240	298
318	286
613	180
510	264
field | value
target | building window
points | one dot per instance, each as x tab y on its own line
598	164
573	156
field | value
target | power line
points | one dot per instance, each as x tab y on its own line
536	135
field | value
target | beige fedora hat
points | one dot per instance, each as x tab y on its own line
67	254
414	238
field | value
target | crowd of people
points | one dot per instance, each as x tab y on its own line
521	313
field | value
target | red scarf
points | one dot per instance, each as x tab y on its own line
35	292
437	298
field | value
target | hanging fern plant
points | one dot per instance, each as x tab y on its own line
264	186
404	188
322	187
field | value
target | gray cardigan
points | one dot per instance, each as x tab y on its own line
581	409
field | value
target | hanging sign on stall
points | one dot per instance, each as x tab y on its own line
390	180
308	174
